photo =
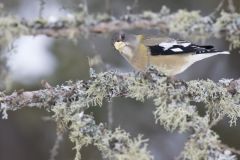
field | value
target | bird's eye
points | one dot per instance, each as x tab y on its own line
122	36
119	37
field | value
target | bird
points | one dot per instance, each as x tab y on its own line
168	55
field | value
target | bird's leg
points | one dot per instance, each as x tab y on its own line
176	82
172	79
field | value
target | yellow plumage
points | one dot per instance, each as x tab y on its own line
135	49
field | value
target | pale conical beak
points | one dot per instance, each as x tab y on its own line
119	45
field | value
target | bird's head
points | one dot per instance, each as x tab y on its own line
127	44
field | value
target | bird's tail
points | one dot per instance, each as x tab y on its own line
224	52
198	57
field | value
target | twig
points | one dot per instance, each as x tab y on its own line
110	114
218	9
85	7
135	4
108	6
42	5
234	86
131	8
215	121
226	147
231	6
54	151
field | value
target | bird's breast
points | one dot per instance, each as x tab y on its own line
170	64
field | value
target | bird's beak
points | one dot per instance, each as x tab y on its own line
119	45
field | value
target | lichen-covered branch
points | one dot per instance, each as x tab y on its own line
114	145
174	110
112	84
188	24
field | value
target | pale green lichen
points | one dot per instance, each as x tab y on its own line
229	23
10	28
183	20
174	111
105	85
114	145
117	145
164	11
217	99
172	100
80	132
77	123
173	107
174	116
84	131
138	90
190	25
205	145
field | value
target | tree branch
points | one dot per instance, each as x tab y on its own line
188	24
70	91
172	99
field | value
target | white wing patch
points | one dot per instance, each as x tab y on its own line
177	50
167	45
185	44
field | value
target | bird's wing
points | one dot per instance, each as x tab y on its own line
156	40
158	46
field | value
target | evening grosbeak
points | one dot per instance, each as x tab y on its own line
167	55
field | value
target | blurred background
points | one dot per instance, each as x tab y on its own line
26	136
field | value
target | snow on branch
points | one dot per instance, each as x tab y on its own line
174	110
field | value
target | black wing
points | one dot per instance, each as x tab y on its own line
180	47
